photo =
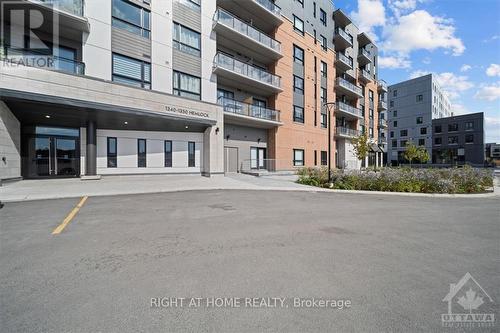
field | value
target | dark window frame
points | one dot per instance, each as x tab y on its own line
145	84
112	157
179	91
297	59
142	157
296	88
191	154
324	157
298	119
168	155
295	18
144	32
301	162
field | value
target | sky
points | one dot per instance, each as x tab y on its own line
457	40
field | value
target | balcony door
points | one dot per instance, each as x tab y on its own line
257	158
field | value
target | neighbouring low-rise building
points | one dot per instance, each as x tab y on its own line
492	153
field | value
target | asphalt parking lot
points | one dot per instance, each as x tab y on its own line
392	257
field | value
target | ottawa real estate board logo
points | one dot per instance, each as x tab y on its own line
469	306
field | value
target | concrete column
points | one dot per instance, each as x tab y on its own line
91	160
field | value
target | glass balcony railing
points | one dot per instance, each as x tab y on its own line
382	104
349	86
363	52
364	74
231	21
343	58
343	34
382	85
345	131
74	7
245	109
271	6
252	72
24	57
343	107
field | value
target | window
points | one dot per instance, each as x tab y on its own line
395	113
395	123
131	71
315	157
420	98
298	114
453	140
324	69
187	85
298	84
362	129
168	153
394	143
112	152
421	142
141	153
324	120
423	130
323	42
392	134
370	132
301	2
315	36
191	154
224	94
323	95
395	93
187	40
132	18
420	120
391	104
314	9
403	133
438	129
298	24
452	127
193	4
298	55
403	143
322	16
298	157
469	138
438	141
469	125
324	158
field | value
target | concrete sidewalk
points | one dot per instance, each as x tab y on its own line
26	190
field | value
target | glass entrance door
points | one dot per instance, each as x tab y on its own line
42	157
257	158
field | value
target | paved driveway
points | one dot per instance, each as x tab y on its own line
392	257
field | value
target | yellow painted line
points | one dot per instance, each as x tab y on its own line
70	216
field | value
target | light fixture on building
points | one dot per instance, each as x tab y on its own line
187	126
227	137
125	122
217	130
47	116
258	140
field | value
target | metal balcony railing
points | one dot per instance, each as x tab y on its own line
246	109
224	61
343	107
31	58
74	7
343	58
349	86
345	131
231	21
271	6
343	34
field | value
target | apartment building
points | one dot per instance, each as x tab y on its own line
183	86
459	140
413	105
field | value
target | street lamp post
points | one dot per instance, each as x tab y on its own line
329	106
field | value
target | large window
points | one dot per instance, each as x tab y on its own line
322	40
187	40
298	55
322	17
131	71
187	85
298	114
168	153
298	24
132	18
191	154
324	69
403	133
324	120
298	84
323	95
141	153
298	157
112	152
452	127
324	158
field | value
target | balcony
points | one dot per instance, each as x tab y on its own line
343	63
70	18
382	140
30	58
264	13
238	74
364	57
382	86
382	123
347	110
345	132
240	113
347	88
342	39
382	105
73	7
364	76
241	37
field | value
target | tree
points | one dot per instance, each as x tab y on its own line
423	155
411	153
361	146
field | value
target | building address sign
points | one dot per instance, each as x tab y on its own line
186	111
